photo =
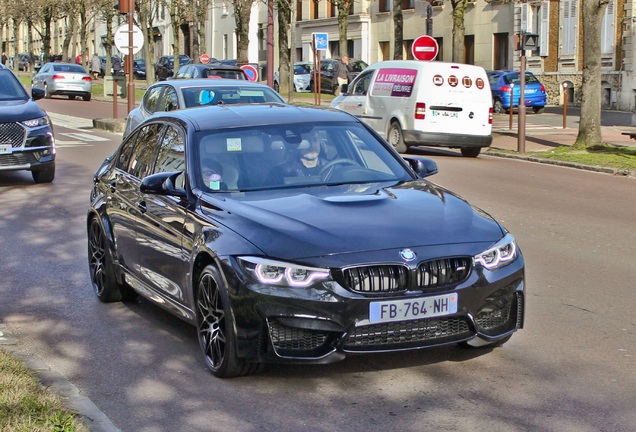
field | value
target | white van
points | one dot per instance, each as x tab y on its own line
413	102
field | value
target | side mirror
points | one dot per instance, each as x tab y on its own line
37	93
162	184
423	167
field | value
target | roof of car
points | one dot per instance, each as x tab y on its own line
205	82
240	115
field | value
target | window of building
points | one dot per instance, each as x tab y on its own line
408	49
331	9
313	9
569	23
440	50
500	51
408	4
385	50
299	10
469	49
608	29
385	5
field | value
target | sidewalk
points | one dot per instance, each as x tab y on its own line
544	138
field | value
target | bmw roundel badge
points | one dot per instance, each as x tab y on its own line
407	255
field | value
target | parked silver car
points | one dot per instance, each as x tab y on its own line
64	79
190	93
303	78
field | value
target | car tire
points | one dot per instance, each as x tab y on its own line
45	175
479	343
71	97
47	94
101	268
538	110
395	137
87	97
215	330
497	107
472	152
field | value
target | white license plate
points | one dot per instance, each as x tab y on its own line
5	148
530	91
411	309
451	114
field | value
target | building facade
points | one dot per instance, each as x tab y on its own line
491	32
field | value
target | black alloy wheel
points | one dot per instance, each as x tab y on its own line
100	263
215	331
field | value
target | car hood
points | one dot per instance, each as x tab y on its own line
314	222
20	110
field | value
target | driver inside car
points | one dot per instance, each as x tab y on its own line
306	161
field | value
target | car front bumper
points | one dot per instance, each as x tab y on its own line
327	322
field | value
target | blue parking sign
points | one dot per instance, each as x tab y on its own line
321	41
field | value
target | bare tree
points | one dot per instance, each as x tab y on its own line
398	30
146	13
284	70
590	121
459	11
242	12
344	8
177	10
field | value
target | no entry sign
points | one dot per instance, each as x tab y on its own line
425	48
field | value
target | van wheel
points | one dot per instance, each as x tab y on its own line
497	107
395	138
471	151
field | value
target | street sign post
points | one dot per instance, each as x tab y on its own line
425	48
320	42
121	39
251	72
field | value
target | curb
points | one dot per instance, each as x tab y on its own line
91	416
110	125
604	170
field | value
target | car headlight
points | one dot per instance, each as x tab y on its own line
501	254
280	273
42	121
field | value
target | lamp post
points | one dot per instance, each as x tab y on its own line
565	104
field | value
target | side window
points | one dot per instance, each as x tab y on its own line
361	85
146	150
125	153
170	101
151	97
171	156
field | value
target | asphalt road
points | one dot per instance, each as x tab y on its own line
573	368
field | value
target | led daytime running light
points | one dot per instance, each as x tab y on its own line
499	255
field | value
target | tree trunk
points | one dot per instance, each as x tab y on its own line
459	9
344	7
398	30
284	82
590	120
242	12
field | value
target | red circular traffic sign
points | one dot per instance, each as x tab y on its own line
204	58
425	48
251	72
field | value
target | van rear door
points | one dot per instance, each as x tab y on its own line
456	99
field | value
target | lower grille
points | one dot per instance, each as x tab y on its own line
295	342
17	159
407	334
12	133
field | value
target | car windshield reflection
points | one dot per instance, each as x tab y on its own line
283	156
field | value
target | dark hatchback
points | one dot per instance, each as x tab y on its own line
26	134
206	213
164	68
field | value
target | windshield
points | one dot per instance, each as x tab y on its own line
68	68
293	155
10	88
200	96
